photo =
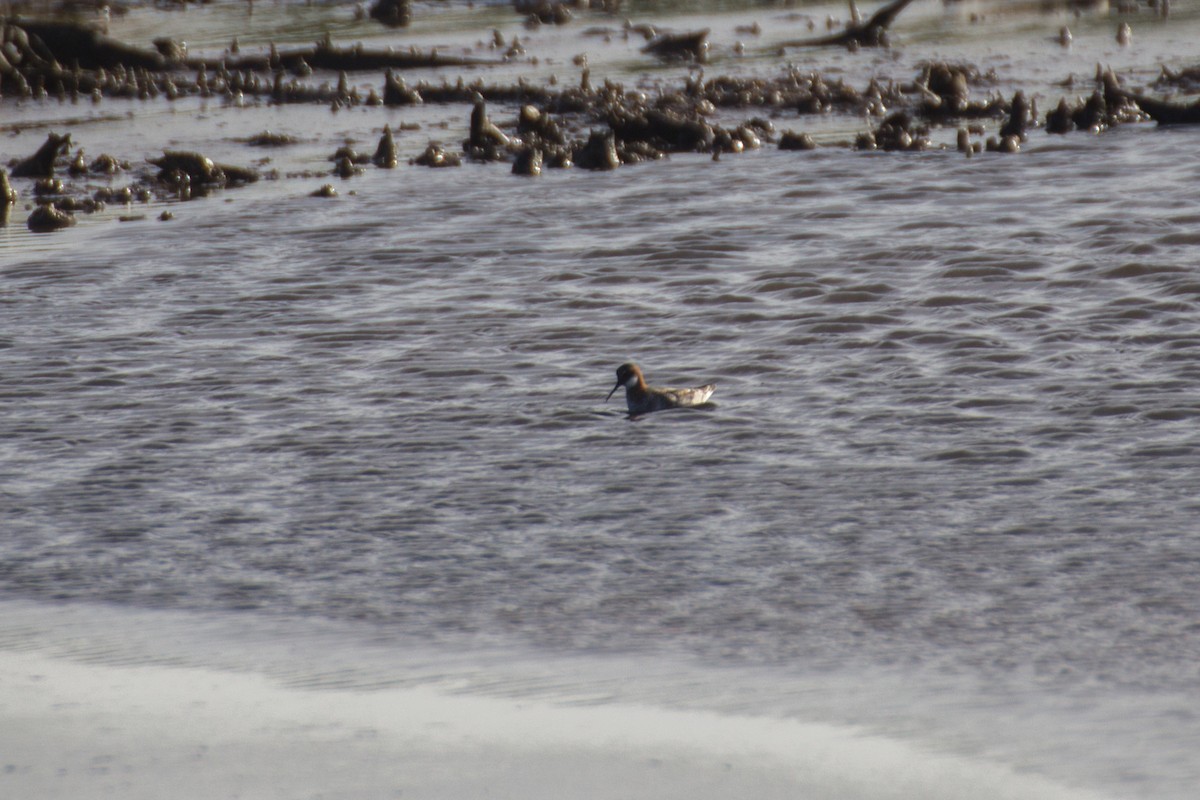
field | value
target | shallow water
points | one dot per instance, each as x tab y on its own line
947	489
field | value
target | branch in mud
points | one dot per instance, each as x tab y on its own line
55	47
872	33
690	46
324	55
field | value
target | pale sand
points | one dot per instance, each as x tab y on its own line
78	731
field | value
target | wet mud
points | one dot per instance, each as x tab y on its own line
586	124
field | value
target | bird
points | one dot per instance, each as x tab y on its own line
642	399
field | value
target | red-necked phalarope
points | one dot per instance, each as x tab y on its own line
643	399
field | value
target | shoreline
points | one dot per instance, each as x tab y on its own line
136	729
558	99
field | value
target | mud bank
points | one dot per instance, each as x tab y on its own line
523	119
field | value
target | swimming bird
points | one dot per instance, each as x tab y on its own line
642	399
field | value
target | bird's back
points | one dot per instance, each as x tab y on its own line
682	398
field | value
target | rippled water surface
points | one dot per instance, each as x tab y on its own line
954	435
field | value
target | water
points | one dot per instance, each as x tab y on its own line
947	491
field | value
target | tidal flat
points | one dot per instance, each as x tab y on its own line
129	107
